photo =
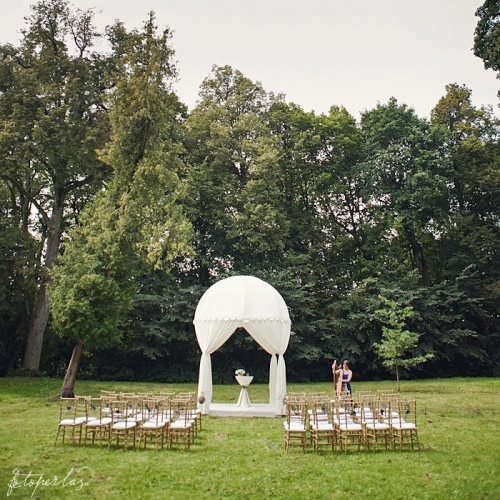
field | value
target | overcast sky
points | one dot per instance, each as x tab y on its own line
353	53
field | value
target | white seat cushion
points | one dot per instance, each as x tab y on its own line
70	421
350	427
404	425
153	425
295	427
125	424
322	427
378	426
180	424
99	422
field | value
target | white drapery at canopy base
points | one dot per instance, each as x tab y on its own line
250	303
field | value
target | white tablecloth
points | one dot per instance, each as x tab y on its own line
244	381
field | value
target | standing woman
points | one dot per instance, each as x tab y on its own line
344	376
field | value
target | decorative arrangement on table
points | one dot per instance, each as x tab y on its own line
243	378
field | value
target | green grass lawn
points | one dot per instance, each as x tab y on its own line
244	458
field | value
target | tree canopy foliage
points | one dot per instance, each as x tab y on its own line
127	206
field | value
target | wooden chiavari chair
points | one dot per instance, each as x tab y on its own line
69	420
296	424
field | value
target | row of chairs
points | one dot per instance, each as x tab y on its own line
128	419
371	421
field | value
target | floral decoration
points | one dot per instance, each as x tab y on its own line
240	371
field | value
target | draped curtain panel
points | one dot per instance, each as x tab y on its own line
250	303
211	335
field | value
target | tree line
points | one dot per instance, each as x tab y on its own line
119	207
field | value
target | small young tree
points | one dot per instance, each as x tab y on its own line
397	341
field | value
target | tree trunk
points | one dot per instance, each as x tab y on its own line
418	255
68	387
397	379
41	311
34	341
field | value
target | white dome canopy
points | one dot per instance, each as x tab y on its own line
241	298
248	302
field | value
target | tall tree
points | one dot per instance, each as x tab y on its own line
469	246
229	149
146	146
472	138
137	217
408	172
351	234
304	144
52	121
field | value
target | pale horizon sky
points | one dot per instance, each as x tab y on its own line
318	53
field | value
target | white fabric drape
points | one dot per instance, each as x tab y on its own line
211	335
273	336
273	368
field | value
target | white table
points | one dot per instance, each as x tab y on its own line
244	381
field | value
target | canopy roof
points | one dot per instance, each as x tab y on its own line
241	298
